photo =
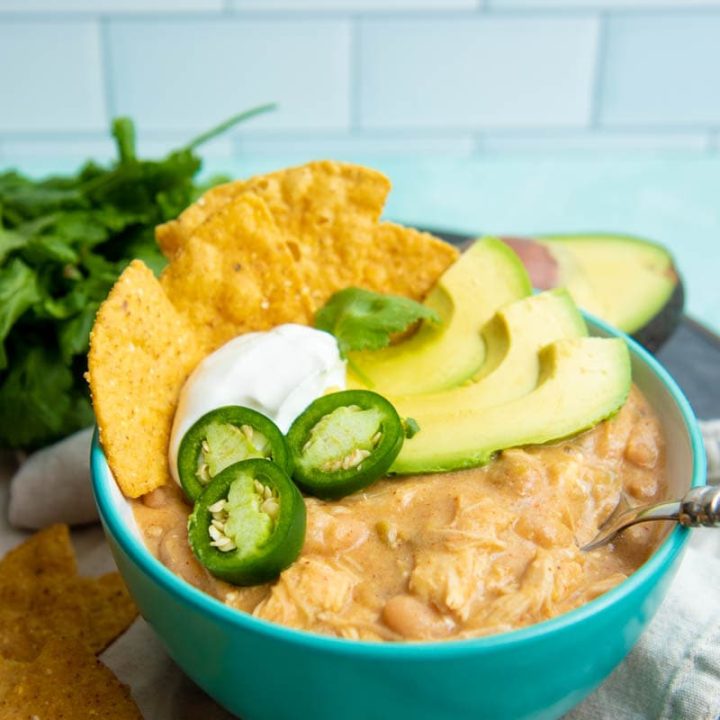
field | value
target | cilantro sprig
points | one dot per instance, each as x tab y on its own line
63	242
365	320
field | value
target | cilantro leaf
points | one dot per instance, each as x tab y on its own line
18	292
364	320
35	398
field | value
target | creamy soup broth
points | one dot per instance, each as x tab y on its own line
452	555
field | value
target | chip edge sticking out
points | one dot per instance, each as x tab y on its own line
135	399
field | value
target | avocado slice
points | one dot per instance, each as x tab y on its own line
582	381
486	276
513	337
627	281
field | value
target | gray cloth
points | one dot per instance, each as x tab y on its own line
53	485
673	673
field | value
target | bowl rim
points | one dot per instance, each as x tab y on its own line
190	596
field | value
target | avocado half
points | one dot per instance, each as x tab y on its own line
629	282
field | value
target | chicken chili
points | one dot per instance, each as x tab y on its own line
451	555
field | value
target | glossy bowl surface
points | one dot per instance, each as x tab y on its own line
262	671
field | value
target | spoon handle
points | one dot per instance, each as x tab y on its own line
701	507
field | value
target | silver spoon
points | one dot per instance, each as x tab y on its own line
699	507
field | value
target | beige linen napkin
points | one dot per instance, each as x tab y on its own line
673	673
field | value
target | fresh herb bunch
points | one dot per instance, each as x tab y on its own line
63	243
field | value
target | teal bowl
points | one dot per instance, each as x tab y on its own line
262	671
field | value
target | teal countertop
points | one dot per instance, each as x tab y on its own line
673	198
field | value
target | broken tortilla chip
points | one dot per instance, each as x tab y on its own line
42	596
66	680
298	198
46	554
110	609
141	351
404	261
9	670
329	213
171	236
236	274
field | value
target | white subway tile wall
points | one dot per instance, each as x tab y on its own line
362	77
188	74
51	77
663	70
479	72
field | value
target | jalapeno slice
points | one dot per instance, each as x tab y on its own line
343	442
225	436
249	523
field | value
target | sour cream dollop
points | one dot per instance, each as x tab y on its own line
278	373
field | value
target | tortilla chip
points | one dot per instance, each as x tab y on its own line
47	610
9	673
172	235
141	351
326	210
404	261
42	596
236	274
47	554
301	199
110	609
66	681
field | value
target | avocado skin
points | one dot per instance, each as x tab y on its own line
654	334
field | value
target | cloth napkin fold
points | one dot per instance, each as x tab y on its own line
673	673
53	485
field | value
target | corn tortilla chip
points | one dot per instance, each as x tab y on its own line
67	681
42	596
9	670
141	351
236	274
329	212
46	554
299	198
171	236
110	609
404	261
49	610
